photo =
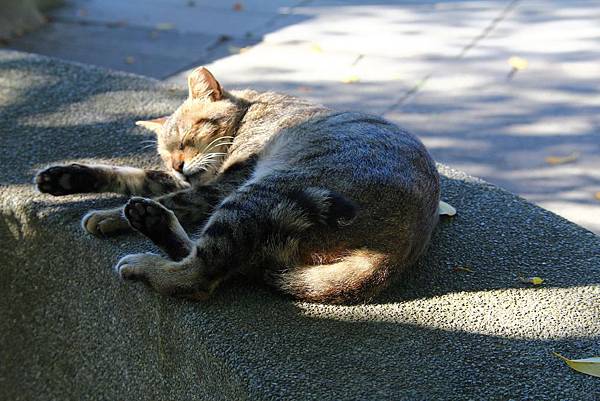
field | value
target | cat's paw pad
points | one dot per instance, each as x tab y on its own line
66	180
103	223
146	215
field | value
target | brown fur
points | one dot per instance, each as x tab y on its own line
326	205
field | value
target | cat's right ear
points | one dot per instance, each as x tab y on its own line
153	125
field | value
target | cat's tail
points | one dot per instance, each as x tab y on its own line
349	277
356	277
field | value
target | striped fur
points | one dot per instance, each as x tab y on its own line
326	206
81	178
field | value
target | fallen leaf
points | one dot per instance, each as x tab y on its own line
589	366
597	195
316	48
237	50
303	88
238	7
130	59
554	160
351	79
165	26
445	209
532	280
462	269
518	63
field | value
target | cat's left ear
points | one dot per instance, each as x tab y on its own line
153	125
202	84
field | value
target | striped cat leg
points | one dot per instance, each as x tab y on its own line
190	206
81	178
255	224
160	225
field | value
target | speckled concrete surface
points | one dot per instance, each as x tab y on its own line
69	330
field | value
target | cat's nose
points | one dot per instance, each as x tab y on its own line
178	165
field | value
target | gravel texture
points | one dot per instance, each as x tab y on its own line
70	330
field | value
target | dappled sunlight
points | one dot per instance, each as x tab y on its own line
430	79
124	104
526	313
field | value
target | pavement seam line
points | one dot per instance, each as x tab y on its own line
474	42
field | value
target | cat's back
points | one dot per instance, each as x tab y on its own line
364	150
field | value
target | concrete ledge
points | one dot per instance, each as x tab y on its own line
20	16
70	330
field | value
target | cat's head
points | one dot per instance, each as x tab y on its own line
194	139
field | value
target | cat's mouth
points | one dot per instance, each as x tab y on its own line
179	175
203	164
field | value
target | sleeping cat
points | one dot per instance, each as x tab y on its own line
323	205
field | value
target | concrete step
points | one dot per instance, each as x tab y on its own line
70	330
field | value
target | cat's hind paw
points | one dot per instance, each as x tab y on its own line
103	223
160	225
165	276
147	216
138	266
66	180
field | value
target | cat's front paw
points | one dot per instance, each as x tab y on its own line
103	223
66	180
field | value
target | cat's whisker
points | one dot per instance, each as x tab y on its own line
208	147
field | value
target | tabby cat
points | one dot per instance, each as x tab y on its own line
323	205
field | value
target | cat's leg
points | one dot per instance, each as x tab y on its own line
81	178
190	206
160	225
103	223
256	224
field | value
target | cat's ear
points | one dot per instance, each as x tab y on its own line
202	84
153	125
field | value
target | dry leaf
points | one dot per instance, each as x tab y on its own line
462	269
445	209
316	48
554	160
130	59
589	366
165	26
518	63
532	280
238	7
597	195
351	79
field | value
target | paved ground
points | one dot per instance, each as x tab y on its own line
438	67
70	330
